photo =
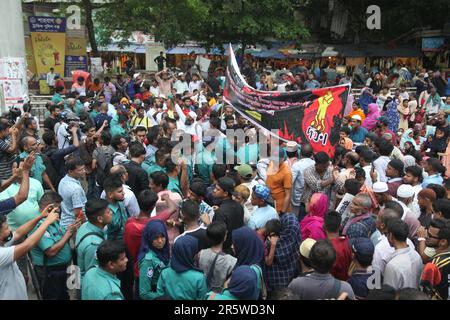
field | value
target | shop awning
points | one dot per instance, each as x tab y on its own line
186	50
275	54
136	48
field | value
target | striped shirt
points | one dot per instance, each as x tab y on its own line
6	159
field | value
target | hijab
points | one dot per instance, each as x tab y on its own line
151	231
244	283
370	122
318	205
247	246
392	115
407	138
183	252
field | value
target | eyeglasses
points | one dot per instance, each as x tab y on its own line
429	235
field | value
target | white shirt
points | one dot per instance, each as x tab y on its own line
383	252
403	269
154	91
298	179
62	136
51	79
380	166
130	201
193	129
12	282
195	85
181	86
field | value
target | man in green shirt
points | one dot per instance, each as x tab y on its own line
115	196
102	283
91	234
52	255
120	127
158	165
57	99
38	170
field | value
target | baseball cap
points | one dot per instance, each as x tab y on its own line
244	170
380	187
362	247
383	120
306	246
291	146
122	108
262	192
226	184
356	117
405	191
180	74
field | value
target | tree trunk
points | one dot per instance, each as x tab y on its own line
90	27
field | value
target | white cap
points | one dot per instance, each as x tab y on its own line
162	96
136	75
356	117
405	191
86	104
306	246
291	146
180	74
380	187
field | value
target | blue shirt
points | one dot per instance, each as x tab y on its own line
358	135
435	178
298	179
314	84
73	197
260	217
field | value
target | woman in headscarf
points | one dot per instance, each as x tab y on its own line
285	263
366	98
370	122
182	280
249	251
153	257
404	114
392	115
243	285
347	143
408	137
312	225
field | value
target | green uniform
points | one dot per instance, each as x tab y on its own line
248	153
57	98
187	285
225	295
38	167
149	271
205	162
100	285
116	129
87	248
93	114
117	226
54	234
151	167
78	107
174	186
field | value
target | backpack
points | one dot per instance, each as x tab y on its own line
104	164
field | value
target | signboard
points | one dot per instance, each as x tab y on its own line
74	63
75	46
344	207
433	44
49	43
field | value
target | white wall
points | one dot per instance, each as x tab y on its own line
151	52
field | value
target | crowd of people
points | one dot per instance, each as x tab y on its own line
98	188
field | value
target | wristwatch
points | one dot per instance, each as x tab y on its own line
421	239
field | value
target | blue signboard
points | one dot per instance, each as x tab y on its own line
432	44
47	24
74	63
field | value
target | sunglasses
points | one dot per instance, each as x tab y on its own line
429	235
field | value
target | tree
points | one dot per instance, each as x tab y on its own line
210	22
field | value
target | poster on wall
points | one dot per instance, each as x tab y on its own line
48	39
13	82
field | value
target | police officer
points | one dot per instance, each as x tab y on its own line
52	255
101	282
91	234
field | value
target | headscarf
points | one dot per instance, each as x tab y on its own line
151	231
183	252
370	122
244	283
392	115
248	247
365	99
318	205
348	145
407	138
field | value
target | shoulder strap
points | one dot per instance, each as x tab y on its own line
333	293
87	235
212	296
211	271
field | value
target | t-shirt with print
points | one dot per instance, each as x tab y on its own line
6	159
